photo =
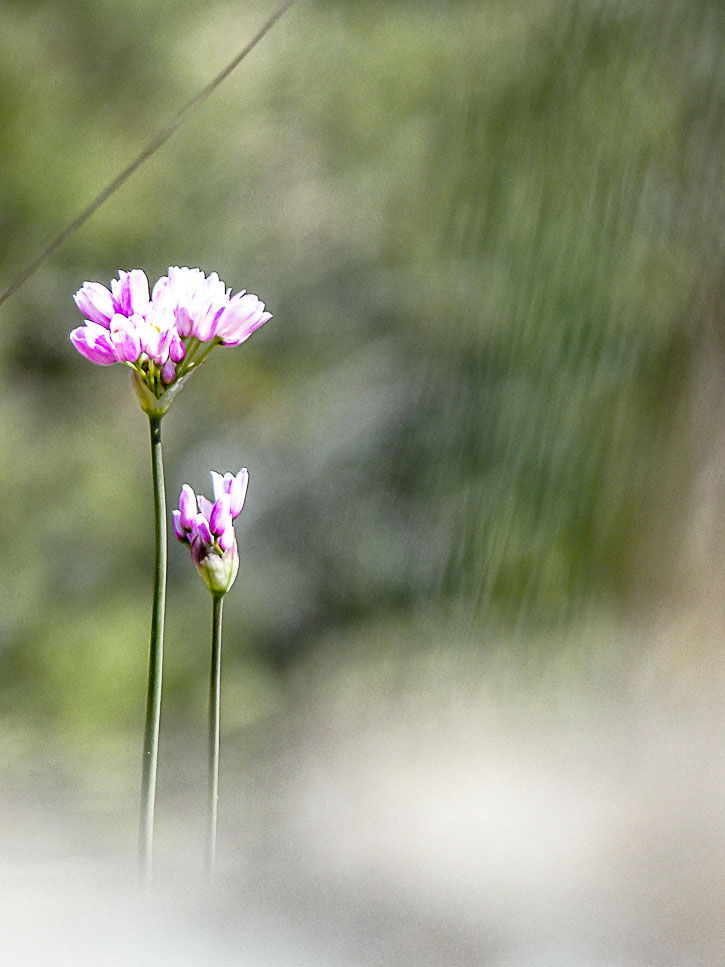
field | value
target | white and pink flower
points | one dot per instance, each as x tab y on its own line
165	334
208	528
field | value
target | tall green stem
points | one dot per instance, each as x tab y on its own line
214	706
156	655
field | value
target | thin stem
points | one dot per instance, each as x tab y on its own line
214	706
192	360
151	148
156	654
192	347
196	363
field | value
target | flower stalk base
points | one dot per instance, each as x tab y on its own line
214	715
156	655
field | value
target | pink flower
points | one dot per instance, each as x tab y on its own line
93	342
131	292
125	337
235	487
204	308
208	529
95	302
194	299
159	335
239	318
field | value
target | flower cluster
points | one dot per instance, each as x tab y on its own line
208	528
164	334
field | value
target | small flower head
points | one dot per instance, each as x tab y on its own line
165	335
208	529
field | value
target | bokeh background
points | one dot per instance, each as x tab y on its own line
482	555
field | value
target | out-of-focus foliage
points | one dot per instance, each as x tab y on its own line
490	233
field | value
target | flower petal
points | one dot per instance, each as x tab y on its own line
220	517
168	372
93	342
228	539
243	315
188	508
177	350
178	526
217	481
138	291
95	302
238	492
125	338
200	529
131	292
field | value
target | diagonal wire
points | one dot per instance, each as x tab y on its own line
151	148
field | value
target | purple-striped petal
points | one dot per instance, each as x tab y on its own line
125	339
217	482
160	287
188	508
220	517
168	372
150	337
121	294
178	526
138	291
198	551
95	302
228	539
131	292
200	529
161	349
177	350
238	492
93	342
243	315
184	322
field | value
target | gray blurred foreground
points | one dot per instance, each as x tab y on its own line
512	810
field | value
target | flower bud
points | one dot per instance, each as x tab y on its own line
95	302
188	508
220	517
168	372
200	528
218	571
93	342
234	487
179	530
242	315
209	530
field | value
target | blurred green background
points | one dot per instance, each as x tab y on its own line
491	236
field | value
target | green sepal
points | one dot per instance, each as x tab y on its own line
151	404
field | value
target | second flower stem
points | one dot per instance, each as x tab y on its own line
214	707
156	655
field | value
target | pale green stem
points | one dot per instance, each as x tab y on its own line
156	653
195	363
192	347
214	709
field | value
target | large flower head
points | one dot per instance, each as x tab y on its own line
165	335
206	310
208	529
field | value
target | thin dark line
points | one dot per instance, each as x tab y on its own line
151	148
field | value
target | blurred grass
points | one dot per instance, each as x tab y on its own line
490	234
